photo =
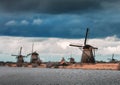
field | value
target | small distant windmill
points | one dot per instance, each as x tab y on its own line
71	59
19	57
35	60
112	60
88	52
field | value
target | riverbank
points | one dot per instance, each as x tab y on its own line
97	66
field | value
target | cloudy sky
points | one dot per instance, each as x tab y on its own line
56	23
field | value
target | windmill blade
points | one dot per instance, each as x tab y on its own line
31	50
86	36
112	56
75	45
20	50
29	54
94	47
14	55
24	56
32	47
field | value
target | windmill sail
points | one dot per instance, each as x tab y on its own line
32	47
20	50
75	45
86	36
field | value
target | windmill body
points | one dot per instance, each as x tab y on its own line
34	57
35	60
20	58
88	51
87	55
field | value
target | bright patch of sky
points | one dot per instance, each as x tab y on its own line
53	49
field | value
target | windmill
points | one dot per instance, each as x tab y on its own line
88	52
19	57
112	60
35	60
71	59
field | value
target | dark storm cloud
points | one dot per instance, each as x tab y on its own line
51	6
101	16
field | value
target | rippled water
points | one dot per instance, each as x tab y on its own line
38	76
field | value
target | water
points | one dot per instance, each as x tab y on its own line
44	76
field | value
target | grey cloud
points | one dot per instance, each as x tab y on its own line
51	6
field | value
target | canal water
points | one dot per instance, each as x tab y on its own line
45	76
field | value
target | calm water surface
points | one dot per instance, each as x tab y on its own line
38	76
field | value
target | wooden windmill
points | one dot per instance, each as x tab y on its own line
112	60
35	60
19	57
88	52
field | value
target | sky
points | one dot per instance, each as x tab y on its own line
49	22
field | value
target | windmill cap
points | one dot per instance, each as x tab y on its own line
35	53
88	46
